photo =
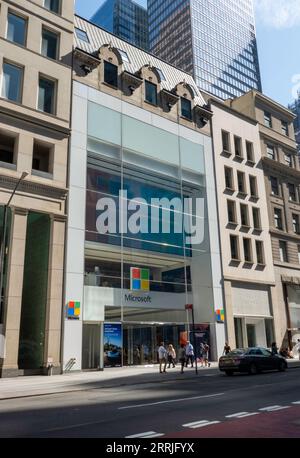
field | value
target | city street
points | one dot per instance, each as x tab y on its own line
170	406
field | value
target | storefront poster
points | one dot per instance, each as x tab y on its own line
200	335
112	345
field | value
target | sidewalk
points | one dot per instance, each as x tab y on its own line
110	378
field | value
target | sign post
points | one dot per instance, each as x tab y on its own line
191	307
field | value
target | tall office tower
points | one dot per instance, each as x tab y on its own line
214	40
125	18
295	108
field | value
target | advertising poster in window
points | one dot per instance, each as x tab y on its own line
201	336
113	345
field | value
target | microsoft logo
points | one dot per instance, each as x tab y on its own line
73	310
139	279
220	315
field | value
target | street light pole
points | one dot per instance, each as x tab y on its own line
3	245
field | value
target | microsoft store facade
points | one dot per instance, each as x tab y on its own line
142	236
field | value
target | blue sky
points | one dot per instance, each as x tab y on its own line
278	35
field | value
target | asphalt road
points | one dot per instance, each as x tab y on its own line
213	405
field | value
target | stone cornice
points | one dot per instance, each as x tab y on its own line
33	188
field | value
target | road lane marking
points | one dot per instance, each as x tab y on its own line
236	415
273	408
249	414
200	424
296	403
145	435
170	401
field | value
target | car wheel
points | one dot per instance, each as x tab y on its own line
229	373
282	366
253	369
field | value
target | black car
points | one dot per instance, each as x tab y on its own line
251	360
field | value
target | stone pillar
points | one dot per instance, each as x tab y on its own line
229	314
53	329
14	290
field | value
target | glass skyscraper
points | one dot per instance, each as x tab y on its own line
295	107
126	19
212	39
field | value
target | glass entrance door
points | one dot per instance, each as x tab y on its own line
91	346
251	335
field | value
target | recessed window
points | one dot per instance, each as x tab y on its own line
296	223
244	216
271	152
231	212
16	29
253	187
241	182
292	192
12	82
267	119
151	93
110	74
284	128
53	5
229	178
256	219
81	35
247	250
186	108
299	254
278	219
260	254
161	75
226	141
250	152
49	44
288	160
124	55
234	247
7	148
42	158
283	253
274	186
47	91
238	147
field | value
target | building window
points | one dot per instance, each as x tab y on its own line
110	74
186	108
7	148
268	119
244	216
241	183
161	74
288	160
283	252
253	187
231	212
247	250
299	254
250	152
229	178
260	254
46	101
16	29
274	186
12	82
150	93
256	219
42	160
82	35
238	147
234	246
53	5
271	152
49	44
285	128
296	224
278	219
226	141
292	192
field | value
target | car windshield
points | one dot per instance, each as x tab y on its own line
237	352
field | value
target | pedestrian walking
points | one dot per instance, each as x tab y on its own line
206	355
201	354
162	357
297	348
189	353
182	357
171	355
227	349
274	349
